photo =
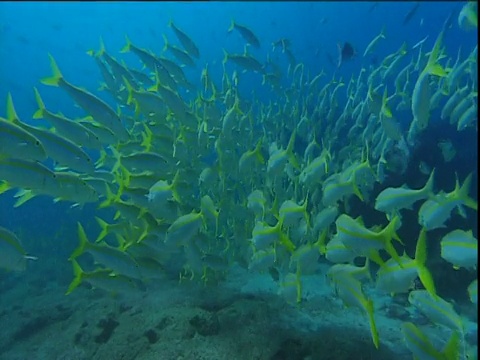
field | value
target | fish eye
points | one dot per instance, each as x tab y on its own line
37	143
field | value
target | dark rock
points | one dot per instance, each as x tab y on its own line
61	308
164	322
40	322
123	308
206	325
395	311
291	349
108	326
82	338
151	336
32	327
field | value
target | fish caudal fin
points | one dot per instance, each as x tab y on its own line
82	238
428	188
104	226
420	258
232	26
57	76
77	280
127	46
40	113
461	193
371	320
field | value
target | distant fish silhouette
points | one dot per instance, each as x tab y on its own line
373	7
345	52
410	14
448	23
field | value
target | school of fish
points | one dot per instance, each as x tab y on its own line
203	176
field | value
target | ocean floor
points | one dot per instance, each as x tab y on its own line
242	318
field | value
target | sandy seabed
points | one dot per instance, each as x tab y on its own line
242	318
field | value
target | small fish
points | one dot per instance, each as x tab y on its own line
279	157
335	251
434	212
256	202
185	40
94	106
26	174
262	260
421	92
141	161
437	310
424	168
324	219
250	157
211	212
246	61
175	70
291	213
373	6
179	54
13	256
291	288
355	236
246	33
349	289
454	100
172	98
422	348
184	228
67	187
459	248
420	43
345	52
146	103
448	150
69	128
410	14
305	258
359	273
283	43
391	200
468	117
103	279
18	143
448	23
104	134
374	42
140	76
312	174
323	20
161	192
264	235
115	259
468	16
145	56
335	188
397	277
63	151
472	291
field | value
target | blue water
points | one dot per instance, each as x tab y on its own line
30	31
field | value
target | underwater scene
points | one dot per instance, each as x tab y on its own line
238	180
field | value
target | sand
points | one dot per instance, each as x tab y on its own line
241	318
